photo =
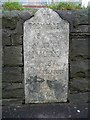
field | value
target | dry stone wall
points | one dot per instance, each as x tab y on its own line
12	39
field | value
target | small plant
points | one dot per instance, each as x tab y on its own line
65	6
12	6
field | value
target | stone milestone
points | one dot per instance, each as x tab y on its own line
46	51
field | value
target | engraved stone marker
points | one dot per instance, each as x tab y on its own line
46	51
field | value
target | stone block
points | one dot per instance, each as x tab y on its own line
11	86
25	15
10	19
16	39
81	28
78	19
14	90
1	23
79	48
6	37
12	101
46	50
12	55
79	85
1	44
78	98
12	75
0	89
17	93
79	68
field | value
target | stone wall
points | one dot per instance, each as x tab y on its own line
12	39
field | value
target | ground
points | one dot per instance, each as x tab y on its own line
17	109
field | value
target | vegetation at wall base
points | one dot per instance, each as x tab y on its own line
65	6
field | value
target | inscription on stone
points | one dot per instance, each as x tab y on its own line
46	51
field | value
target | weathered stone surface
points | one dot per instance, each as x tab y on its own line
12	55
81	28
78	98
15	90
12	86
0	89
79	85
78	19
9	19
79	68
79	48
11	101
25	15
16	38
6	37
46	48
1	23
16	93
12	75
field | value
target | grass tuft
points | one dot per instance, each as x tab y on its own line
12	6
65	6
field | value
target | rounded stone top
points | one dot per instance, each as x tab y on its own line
46	16
47	13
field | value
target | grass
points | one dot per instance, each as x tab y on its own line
59	6
13	6
65	6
